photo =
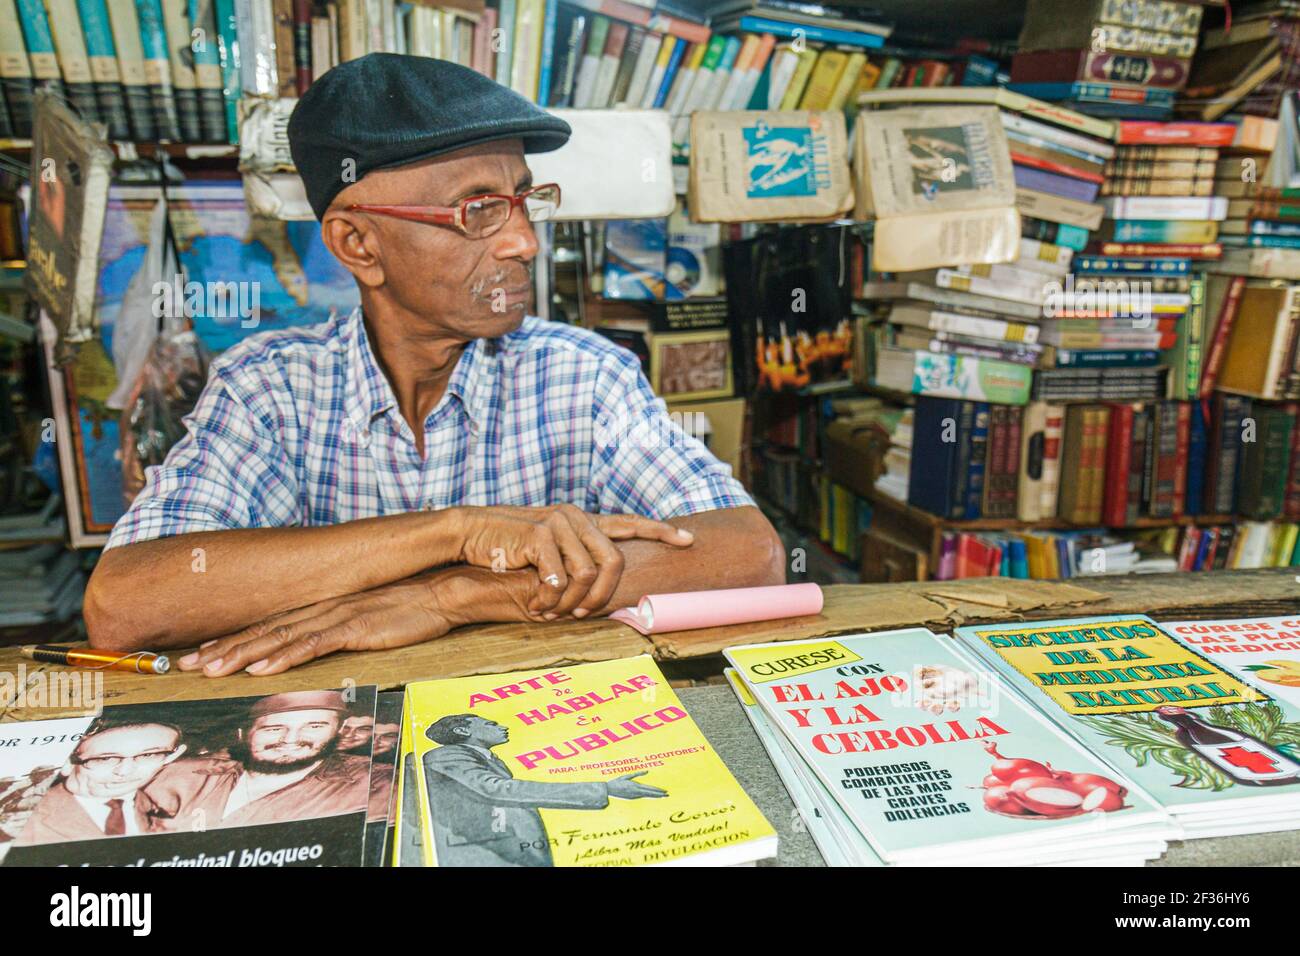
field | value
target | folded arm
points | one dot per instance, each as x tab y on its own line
734	547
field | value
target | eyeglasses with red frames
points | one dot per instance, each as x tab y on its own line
477	216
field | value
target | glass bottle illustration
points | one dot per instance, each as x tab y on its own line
1246	759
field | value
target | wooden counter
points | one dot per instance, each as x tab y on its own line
937	605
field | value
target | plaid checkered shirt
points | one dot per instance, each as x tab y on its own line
300	427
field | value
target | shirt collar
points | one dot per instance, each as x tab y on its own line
370	395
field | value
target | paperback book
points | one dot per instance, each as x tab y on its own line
934	765
591	765
1215	752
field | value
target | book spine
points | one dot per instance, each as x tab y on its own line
1139	436
550	18
1222	333
39	42
506	10
74	63
1012	462
644	68
15	71
1119	451
283	44
158	70
995	451
960	486
176	25
979	442
1145	133
1056	184
228	53
1182	447
1164	188
526	65
300	10
1291	501
1169	250
1053	430
672	72
101	53
205	49
130	58
1194	334
1157	230
816	34
1167	483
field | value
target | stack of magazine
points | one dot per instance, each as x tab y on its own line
1213	741
898	751
590	765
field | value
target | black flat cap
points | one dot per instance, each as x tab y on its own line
385	109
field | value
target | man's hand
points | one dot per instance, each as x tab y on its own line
577	563
394	615
626	787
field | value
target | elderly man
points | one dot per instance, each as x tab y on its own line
439	456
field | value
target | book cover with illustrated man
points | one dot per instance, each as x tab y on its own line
591	765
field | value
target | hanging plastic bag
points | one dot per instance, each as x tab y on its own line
137	322
169	383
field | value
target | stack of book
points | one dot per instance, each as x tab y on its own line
1247	64
1107	57
1261	182
1206	739
40	584
896	752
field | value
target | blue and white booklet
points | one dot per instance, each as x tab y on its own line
1220	755
933	762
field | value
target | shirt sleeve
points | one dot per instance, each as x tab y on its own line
643	462
228	471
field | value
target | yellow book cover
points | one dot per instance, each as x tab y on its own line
590	765
848	80
1286	544
825	75
794	92
866	81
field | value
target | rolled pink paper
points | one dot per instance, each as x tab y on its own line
686	611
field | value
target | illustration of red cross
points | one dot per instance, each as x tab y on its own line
1251	760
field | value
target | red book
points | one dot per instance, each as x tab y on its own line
1119	451
1180	134
1051	167
1180	458
1222	331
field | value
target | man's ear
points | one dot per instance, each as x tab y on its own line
355	243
